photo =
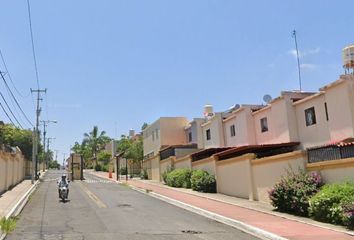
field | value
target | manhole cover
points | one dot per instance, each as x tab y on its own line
191	232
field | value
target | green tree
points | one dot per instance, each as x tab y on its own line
95	141
13	136
145	125
104	157
132	149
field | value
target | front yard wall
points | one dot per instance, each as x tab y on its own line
184	162
207	164
12	169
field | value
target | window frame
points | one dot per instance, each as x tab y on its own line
208	134
264	124
232	130
313	121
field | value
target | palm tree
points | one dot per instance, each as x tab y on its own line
96	141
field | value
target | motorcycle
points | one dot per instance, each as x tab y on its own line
63	192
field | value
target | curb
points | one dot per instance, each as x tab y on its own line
254	231
350	233
16	210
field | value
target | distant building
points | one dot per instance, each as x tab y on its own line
164	132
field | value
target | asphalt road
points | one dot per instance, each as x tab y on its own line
100	209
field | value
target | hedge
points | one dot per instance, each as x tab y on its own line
202	181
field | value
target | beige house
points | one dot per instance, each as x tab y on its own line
194	132
327	116
164	132
238	127
213	133
276	122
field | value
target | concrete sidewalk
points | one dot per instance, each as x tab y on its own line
256	214
10	198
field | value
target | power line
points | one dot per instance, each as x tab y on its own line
18	105
2	96
7	114
32	41
8	74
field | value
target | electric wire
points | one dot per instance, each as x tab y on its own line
6	114
32	41
9	75
3	98
18	105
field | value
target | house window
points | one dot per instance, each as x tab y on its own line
232	131
208	134
157	133
326	109
310	116
190	137
153	136
264	124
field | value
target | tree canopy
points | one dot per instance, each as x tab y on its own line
13	136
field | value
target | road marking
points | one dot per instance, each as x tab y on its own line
91	195
97	181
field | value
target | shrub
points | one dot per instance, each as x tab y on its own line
349	215
144	174
164	174
105	168
98	167
179	178
123	171
334	204
293	192
202	181
7	225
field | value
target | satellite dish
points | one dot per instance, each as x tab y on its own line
267	98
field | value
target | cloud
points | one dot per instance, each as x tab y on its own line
308	66
304	53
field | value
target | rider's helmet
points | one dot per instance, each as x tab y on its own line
63	177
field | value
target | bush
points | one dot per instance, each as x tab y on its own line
179	178
164	174
123	171
105	168
144	174
98	167
293	192
7	225
334	204
202	181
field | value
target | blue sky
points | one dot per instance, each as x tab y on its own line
117	64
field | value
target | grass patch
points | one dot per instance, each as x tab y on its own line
125	184
8	225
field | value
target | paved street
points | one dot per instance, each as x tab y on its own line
100	209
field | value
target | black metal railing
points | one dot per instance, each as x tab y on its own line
167	153
329	153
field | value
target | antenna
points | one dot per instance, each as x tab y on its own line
297	56
267	98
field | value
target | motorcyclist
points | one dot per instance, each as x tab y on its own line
63	182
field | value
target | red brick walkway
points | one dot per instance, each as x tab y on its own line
280	226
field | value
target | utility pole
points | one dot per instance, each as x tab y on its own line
64	161
297	56
47	155
45	124
36	134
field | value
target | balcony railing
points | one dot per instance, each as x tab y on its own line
332	152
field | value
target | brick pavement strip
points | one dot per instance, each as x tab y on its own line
289	229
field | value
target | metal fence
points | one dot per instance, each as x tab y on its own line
328	153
